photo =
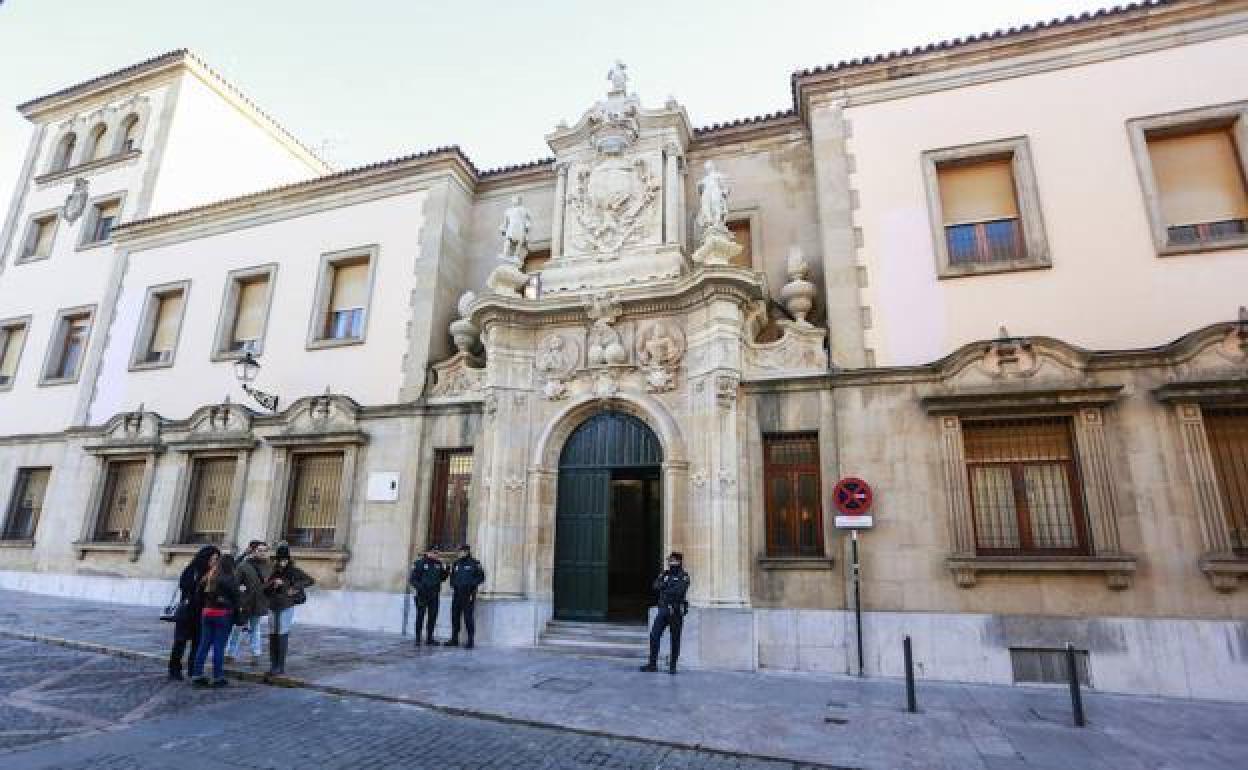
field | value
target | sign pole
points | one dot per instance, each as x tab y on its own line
857	598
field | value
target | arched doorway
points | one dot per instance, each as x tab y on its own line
608	520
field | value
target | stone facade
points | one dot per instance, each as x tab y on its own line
835	319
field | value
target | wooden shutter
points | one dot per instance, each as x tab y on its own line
212	481
120	501
11	339
793	505
350	286
165	327
1199	177
252	301
978	192
313	514
452	479
1228	443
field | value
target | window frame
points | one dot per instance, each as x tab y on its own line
98	143
227	317
753	220
442	459
143	338
39	216
1233	116
91	220
7	324
62	157
329	262
23	474
793	471
109	456
1026	196
56	344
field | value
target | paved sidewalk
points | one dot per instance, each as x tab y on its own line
837	721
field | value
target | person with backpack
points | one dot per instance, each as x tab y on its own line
253	573
187	618
284	590
218	591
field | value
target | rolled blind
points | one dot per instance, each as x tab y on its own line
165	332
10	345
1199	178
350	286
249	322
1029	440
980	192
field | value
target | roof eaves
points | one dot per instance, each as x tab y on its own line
27	108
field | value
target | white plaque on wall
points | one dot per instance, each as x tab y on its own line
383	487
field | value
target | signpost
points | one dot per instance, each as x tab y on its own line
853	498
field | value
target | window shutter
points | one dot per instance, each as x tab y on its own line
249	323
978	192
350	286
10	346
165	331
1199	178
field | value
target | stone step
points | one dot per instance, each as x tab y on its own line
593	648
630	633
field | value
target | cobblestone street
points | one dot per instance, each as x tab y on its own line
61	708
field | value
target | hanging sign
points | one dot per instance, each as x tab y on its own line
852	498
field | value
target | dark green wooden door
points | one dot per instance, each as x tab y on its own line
604	444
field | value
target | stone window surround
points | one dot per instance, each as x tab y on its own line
1234	115
11	504
324	287
55	216
229	309
1027	196
56	344
1085	406
1219	562
114	119
148	452
91	214
286	448
754	216
23	322
237	447
147	323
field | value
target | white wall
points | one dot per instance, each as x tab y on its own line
370	373
1107	289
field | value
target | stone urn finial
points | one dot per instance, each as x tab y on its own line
463	331
798	295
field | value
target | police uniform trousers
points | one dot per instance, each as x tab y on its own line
669	617
426	613
462	605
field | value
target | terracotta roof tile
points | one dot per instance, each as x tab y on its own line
86	84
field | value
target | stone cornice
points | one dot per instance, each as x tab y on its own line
1212	392
86	168
1014	399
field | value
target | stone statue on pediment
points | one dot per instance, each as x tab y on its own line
618	76
515	230
713	192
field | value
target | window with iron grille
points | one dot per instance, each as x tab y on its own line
793	507
212	480
452	479
1024	483
312	514
120	502
27	503
1047	665
1227	431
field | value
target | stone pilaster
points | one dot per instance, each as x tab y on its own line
556	223
1195	448
953	465
1100	497
673	196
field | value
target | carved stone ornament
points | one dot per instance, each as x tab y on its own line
798	295
222	418
458	376
507	279
1234	347
613	202
1008	357
557	356
726	389
660	346
718	248
76	202
464	332
490	405
605	385
606	345
515	230
800	349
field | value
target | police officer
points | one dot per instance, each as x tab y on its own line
466	576
426	580
671	585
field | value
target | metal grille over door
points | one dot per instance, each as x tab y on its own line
211	482
314	500
121	501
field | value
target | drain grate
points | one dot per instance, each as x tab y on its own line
564	685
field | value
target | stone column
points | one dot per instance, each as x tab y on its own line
673	196
1199	460
556	221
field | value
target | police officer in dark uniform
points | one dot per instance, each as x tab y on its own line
671	585
466	576
426	580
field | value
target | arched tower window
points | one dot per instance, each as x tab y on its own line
130	133
64	152
99	142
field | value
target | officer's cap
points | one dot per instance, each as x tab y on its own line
677	555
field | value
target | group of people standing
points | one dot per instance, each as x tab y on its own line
221	599
466	576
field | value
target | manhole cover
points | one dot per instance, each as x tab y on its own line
563	685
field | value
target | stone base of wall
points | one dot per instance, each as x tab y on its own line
1143	656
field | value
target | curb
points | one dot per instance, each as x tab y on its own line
486	716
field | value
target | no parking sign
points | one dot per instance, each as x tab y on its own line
852	498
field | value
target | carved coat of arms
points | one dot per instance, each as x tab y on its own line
76	203
612	203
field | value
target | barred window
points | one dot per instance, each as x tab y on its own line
312	515
120	501
1024	486
27	503
212	479
794	512
1228	443
452	478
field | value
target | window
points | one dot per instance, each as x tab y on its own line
122	484
1227	430
100	223
68	347
312	515
64	154
12	340
1023	483
1200	184
212	482
130	134
793	505
452	478
741	230
158	329
39	237
99	142
244	312
985	208
27	503
1047	665
340	314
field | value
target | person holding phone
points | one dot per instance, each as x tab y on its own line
671	585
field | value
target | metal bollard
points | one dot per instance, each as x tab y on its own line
910	701
1076	697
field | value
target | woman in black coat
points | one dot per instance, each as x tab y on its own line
186	625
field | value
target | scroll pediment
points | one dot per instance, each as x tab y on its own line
326	413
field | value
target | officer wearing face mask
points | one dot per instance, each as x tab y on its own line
671	586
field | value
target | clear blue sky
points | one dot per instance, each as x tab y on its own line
379	79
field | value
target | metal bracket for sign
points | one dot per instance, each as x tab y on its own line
266	400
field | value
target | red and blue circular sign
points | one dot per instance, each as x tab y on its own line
852	497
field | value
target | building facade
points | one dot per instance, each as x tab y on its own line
1001	279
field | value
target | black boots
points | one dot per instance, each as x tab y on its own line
454	642
651	667
468	646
